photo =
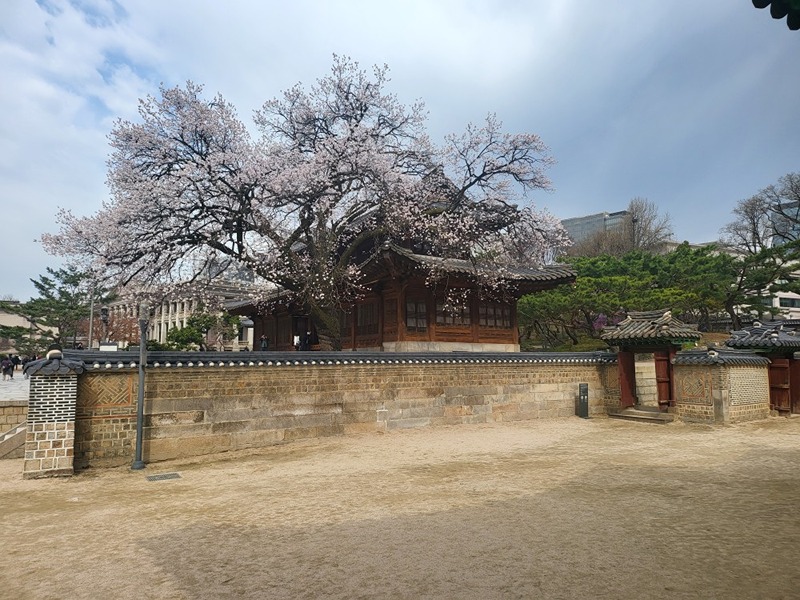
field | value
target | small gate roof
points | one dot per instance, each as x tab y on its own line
765	337
655	327
719	356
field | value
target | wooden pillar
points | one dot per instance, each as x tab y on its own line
626	365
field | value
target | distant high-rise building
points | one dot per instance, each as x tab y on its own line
583	228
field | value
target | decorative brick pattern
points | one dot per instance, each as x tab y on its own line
50	439
52	398
106	389
693	386
105	427
749	386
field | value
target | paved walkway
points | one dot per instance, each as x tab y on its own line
15	389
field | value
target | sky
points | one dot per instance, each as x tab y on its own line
690	105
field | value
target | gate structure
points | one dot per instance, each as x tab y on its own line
777	342
651	332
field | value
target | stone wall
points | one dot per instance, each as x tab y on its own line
203	403
208	406
12	413
609	379
646	388
722	392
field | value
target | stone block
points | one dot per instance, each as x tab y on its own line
363	427
256	439
457	411
174	418
409	423
231	426
170	448
178	431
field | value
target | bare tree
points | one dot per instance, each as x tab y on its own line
644	228
650	231
762	241
783	201
753	227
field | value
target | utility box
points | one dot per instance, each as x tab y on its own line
582	403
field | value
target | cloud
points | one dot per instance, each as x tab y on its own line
692	105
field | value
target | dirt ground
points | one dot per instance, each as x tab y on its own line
564	508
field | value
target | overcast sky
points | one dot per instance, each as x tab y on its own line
692	105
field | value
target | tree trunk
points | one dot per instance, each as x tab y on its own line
329	329
736	322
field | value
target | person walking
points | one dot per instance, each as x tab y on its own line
7	367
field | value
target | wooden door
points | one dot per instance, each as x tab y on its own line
779	388
627	378
794	385
663	378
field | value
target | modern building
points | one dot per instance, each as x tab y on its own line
583	228
122	327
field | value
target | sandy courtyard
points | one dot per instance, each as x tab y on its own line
565	508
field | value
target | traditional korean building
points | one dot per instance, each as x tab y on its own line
402	312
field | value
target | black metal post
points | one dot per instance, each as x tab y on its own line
104	319
144	318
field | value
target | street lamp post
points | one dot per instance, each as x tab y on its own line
144	320
91	321
104	319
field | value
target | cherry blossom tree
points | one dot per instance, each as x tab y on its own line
334	172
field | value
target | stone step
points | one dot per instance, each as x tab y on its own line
11	441
644	415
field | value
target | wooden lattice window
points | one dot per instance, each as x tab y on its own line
367	319
416	315
458	316
495	315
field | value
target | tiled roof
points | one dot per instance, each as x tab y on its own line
54	366
650	326
765	337
545	273
168	360
544	277
719	356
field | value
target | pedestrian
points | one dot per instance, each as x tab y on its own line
7	367
264	342
305	341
